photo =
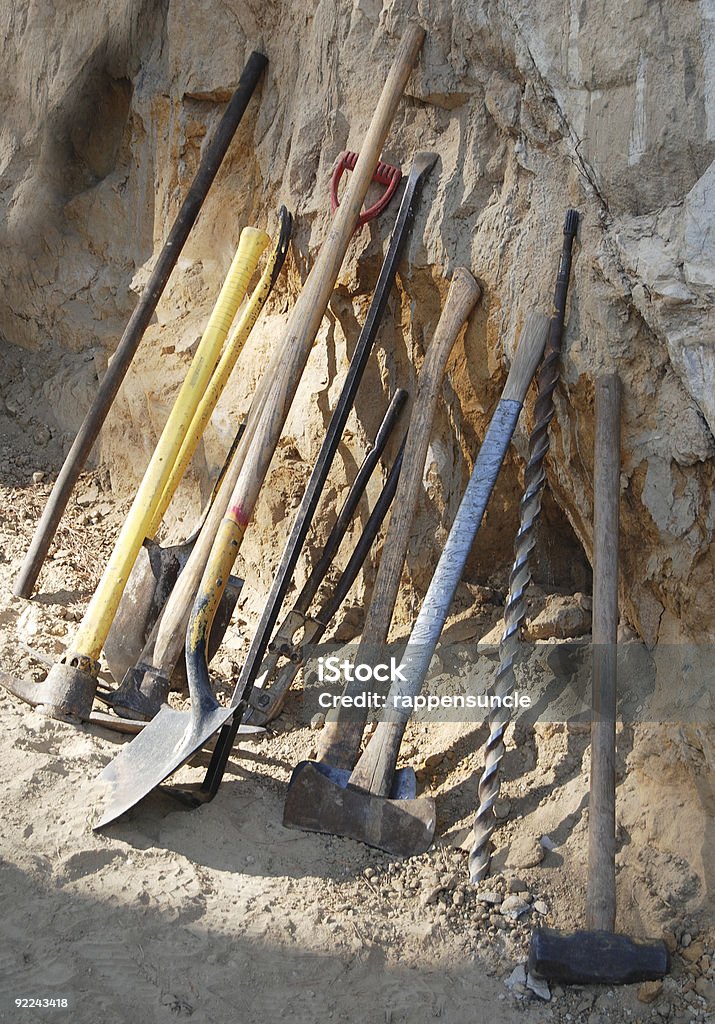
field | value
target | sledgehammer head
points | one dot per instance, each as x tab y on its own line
596	958
317	802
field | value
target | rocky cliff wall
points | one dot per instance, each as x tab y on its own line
606	107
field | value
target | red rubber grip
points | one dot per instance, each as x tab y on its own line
385	174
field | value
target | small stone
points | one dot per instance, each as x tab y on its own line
516	978
540	907
458	899
649	991
502	809
38	477
670	940
369	872
686	940
525	852
517	885
317	721
539	986
693	952
41	435
562	617
489	896
706	989
433	760
513	907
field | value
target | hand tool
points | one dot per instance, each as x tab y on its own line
340	738
147	683
157	568
364	810
69	688
135	772
211	160
268	694
597	955
515	608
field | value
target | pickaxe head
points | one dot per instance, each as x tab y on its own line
319	800
66	693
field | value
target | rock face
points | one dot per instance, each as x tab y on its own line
531	108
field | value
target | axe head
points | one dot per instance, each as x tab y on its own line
596	958
319	800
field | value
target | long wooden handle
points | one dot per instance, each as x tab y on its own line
342	734
601	889
239	488
98	617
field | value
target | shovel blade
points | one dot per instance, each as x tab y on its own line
317	803
165	744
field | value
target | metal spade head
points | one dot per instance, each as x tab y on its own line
319	800
165	744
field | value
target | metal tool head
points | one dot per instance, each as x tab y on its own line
148	588
423	162
596	958
163	746
319	800
66	693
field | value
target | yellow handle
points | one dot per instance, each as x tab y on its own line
98	618
213	582
234	346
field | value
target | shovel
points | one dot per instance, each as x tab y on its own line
70	686
211	160
157	568
167	742
365	810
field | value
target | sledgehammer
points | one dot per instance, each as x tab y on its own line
598	955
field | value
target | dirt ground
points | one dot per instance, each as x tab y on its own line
221	914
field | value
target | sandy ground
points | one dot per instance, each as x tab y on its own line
221	914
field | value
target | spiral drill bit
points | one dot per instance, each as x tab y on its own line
515	608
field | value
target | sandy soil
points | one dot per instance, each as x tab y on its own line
221	914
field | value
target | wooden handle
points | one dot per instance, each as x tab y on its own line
601	889
526	357
102	608
341	736
238	487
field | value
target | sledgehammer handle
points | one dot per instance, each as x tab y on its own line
601	890
341	736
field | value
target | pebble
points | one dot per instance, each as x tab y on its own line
517	978
706	989
670	941
539	986
686	940
517	885
502	809
693	952
317	721
649	991
489	896
513	907
525	852
38	477
541	908
433	760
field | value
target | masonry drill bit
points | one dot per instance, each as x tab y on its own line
515	608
